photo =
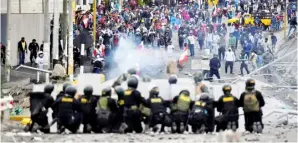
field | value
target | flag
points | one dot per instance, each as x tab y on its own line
141	46
183	57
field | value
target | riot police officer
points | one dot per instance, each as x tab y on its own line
106	111
252	100
120	122
180	111
158	106
227	105
40	102
62	93
132	102
124	77
69	113
200	113
88	102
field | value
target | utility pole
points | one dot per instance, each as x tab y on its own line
56	33
8	34
64	24
46	44
285	20
64	30
70	40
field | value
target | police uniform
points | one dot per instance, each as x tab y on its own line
198	117
69	112
158	109
40	103
89	103
180	109
120	118
227	105
132	102
106	111
252	100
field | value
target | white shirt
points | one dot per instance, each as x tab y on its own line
216	39
230	56
191	39
40	62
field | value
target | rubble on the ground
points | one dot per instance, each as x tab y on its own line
59	70
19	93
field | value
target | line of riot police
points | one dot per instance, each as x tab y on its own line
103	114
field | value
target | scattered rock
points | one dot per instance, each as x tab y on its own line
37	138
59	71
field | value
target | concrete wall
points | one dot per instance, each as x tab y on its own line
29	6
30	26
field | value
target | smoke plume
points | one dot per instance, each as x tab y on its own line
129	55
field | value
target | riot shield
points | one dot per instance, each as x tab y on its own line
36	102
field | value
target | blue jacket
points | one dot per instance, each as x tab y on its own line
247	48
173	20
214	64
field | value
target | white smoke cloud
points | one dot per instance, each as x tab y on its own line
128	55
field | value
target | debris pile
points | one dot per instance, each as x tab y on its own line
20	94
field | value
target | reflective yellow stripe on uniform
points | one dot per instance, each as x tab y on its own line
66	99
228	99
155	100
84	100
127	92
198	103
185	98
121	102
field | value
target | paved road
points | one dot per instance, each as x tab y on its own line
272	132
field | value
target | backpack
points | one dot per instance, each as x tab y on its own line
251	103
103	112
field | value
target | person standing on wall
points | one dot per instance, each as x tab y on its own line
22	48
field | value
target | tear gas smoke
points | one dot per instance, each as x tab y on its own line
128	55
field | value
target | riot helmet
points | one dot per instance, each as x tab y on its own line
107	91
227	89
88	90
71	91
173	79
119	91
198	77
153	91
49	88
132	71
250	84
133	82
204	97
65	85
184	92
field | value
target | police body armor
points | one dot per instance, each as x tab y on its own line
103	111
157	103
251	103
66	110
229	104
199	112
183	103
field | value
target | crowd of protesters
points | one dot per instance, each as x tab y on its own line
199	26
